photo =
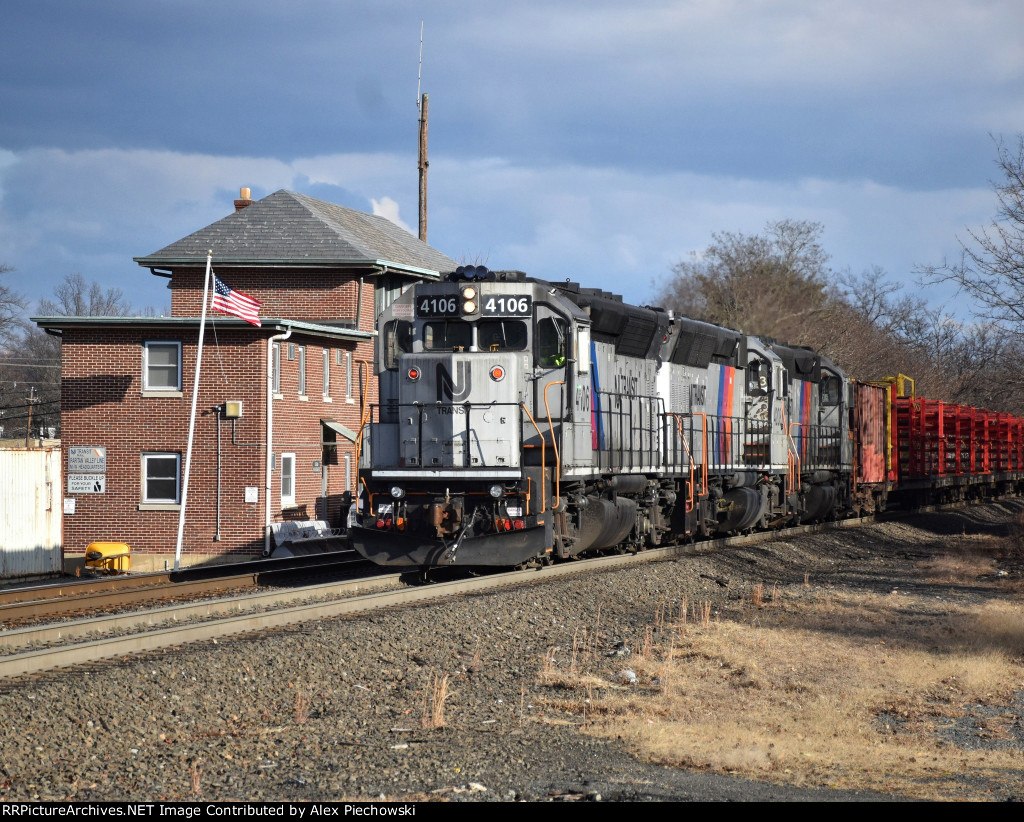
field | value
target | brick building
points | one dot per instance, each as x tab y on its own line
286	451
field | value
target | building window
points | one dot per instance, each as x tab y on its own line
161	478
327	372
275	364
287	479
348	472
348	375
161	366
302	370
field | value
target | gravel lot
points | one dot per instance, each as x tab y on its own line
333	711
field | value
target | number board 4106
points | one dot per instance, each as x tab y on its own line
437	306
506	305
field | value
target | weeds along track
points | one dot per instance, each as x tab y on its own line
47	647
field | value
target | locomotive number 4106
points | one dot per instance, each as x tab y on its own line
437	307
508	305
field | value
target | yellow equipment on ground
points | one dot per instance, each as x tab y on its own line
108	557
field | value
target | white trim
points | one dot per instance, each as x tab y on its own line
275	364
288	501
348	376
269	454
160	390
146	456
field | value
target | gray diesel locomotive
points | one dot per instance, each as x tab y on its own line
522	421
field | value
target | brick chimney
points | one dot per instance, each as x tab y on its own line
244	200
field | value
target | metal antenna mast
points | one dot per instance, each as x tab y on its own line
422	103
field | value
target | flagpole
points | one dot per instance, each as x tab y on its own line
192	418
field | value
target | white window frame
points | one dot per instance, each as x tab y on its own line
327	372
348	376
302	371
144	494
288	473
275	360
160	389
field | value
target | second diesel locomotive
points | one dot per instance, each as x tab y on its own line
522	421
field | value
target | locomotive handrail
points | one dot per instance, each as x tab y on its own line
364	413
554	445
704	446
625	424
543	472
690	483
794	454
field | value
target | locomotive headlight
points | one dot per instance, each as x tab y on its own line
496	491
469	293
468	307
397	491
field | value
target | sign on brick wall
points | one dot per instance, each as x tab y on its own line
89	459
87	483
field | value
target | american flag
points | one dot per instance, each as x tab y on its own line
235	302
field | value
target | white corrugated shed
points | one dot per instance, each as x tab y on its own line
30	513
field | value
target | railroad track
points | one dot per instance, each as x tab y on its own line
161	628
44	601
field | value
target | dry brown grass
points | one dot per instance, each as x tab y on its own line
966	559
433	702
194	775
839	689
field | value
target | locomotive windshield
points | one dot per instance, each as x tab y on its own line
829	389
501	335
491	335
447	336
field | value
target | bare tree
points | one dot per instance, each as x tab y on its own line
770	284
991	264
76	298
11	306
30	362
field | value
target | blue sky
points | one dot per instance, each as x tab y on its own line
595	140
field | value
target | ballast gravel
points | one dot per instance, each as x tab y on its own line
334	711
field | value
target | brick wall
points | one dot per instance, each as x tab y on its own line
308	294
104	405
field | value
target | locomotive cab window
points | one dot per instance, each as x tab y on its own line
829	389
759	379
551	341
447	336
397	340
501	335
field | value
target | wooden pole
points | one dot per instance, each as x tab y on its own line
423	163
31	401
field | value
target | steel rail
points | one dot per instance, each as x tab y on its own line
51	658
72	629
58	599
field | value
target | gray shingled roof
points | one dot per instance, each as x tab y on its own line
287	228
